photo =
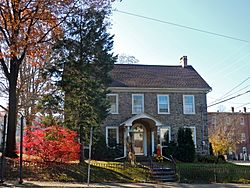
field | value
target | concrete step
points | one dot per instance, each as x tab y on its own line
164	174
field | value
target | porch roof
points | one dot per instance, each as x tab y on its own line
130	121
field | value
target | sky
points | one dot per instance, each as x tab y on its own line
148	31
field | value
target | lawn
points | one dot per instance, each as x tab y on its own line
104	172
122	172
213	173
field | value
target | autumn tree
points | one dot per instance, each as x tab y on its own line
32	85
225	132
52	143
27	29
126	59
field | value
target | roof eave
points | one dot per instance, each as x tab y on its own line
148	89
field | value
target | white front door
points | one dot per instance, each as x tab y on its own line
139	139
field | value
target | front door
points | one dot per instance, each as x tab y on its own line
139	139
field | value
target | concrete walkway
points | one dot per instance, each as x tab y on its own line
244	163
121	185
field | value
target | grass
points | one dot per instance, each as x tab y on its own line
78	173
102	171
213	173
134	174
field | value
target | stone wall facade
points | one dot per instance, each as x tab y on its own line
175	119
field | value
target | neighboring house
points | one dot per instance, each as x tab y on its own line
149	103
233	128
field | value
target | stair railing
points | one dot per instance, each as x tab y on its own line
172	162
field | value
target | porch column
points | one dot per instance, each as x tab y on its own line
158	135
126	134
158	138
153	142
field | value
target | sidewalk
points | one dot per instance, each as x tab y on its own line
122	185
244	163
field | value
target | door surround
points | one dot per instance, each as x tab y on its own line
137	130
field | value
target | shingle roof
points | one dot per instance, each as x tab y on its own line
157	76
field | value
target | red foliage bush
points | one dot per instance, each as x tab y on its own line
52	143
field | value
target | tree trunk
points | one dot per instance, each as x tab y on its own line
12	114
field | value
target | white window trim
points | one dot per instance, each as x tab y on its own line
169	133
242	121
117	134
184	109
158	104
117	103
194	138
133	103
228	120
213	120
243	138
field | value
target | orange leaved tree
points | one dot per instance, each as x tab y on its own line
27	29
52	143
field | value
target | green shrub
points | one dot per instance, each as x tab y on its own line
101	151
206	159
213	173
211	159
170	149
186	148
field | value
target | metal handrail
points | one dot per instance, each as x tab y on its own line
118	158
173	163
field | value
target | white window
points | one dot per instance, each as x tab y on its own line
242	122
137	103
113	99
163	104
213	120
243	137
228	120
112	136
193	129
165	135
188	104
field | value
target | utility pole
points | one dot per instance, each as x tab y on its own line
21	152
90	145
3	150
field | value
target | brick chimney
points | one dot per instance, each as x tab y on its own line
232	108
245	110
183	61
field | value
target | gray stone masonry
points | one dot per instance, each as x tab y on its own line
175	119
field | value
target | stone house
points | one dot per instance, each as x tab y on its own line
149	103
234	128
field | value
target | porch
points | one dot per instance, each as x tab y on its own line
142	134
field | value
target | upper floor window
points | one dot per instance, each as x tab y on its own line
163	104
188	104
243	137
242	122
137	103
228	120
113	99
112	138
213	120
